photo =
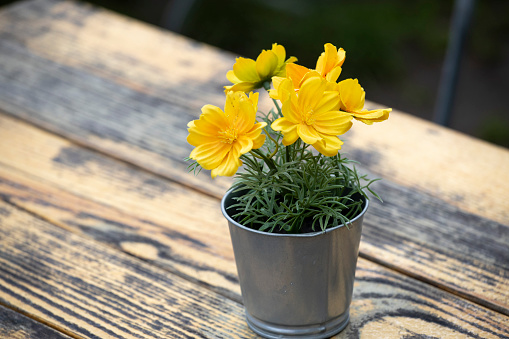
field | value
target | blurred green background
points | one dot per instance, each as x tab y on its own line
395	48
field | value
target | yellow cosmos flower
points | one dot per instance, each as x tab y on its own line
352	100
313	115
330	61
328	66
248	74
221	137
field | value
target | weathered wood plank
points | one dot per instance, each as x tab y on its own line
168	242
100	118
14	325
97	292
128	208
463	171
150	73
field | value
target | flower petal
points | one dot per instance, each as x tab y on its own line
333	123
266	64
276	81
259	141
328	102
254	99
210	155
214	115
245	70
229	165
244	113
285	90
329	146
197	139
334	74
291	110
255	132
329	60
230	75
246	144
245	86
310	93
369	117
296	73
308	134
290	137
352	95
212	120
280	52
284	125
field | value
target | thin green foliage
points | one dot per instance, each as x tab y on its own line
307	192
193	167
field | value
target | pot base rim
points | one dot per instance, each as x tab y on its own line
314	331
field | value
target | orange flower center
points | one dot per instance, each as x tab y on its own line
229	136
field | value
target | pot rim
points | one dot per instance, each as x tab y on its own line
296	235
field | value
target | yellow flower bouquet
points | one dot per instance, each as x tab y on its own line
295	210
294	180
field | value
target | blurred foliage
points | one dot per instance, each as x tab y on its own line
373	33
494	128
490	34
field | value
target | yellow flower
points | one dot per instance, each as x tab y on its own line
312	114
221	137
330	61
248	74
328	66
352	101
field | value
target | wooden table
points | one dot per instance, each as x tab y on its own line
103	234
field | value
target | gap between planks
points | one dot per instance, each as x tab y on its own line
470	297
39	319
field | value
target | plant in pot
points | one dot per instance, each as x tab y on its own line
295	209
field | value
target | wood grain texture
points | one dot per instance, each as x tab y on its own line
460	170
132	98
168	244
93	291
412	232
14	325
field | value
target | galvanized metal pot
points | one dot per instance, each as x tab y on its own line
299	285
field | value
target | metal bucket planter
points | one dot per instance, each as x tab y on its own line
299	285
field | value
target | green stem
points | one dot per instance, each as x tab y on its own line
256	156
278	108
275	142
270	163
302	151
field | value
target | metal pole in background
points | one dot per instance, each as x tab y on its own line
462	16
